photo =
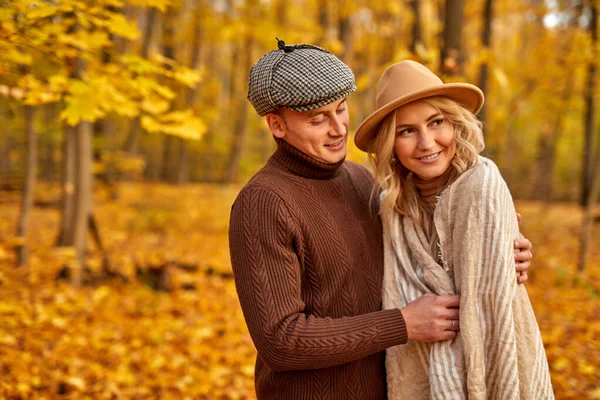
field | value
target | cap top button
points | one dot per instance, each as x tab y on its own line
281	45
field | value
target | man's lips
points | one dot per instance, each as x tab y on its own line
335	144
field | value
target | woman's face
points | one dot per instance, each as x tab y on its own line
424	141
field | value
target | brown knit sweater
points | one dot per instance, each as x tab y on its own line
307	257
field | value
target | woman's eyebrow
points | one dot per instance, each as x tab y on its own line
428	119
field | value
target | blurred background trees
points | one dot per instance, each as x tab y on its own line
108	107
156	90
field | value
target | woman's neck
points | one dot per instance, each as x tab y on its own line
430	190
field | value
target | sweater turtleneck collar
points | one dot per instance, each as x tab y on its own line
302	164
431	189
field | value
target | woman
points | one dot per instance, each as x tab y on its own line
449	227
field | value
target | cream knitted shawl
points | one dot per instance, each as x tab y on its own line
498	353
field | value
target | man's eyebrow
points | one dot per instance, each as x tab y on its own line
427	120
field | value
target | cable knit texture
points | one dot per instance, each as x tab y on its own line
307	256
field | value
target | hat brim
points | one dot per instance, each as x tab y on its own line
469	96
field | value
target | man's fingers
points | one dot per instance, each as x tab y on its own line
449	301
453	325
429	317
523	256
448	335
522	244
522	278
523	266
450	313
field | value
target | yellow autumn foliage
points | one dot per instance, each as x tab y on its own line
69	56
115	339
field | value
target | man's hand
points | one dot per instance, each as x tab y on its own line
523	258
432	318
523	255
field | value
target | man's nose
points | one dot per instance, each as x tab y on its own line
337	125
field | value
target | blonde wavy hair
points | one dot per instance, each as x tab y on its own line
401	195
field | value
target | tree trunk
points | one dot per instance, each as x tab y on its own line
589	118
209	166
486	40
511	153
111	175
168	52
181	175
77	195
281	13
241	126
65	237
417	34
105	129
29	187
7	165
588	218
131	143
546	155
83	196
47	146
591	174
345	36
4	150
165	169
451	59
136	125
182	162
548	140
323	21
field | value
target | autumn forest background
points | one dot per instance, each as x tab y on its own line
126	135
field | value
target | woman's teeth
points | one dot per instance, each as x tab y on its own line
430	157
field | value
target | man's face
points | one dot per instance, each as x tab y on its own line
321	133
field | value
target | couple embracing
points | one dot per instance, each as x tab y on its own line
402	284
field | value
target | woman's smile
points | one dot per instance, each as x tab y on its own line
430	158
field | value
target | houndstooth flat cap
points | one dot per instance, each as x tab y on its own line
299	77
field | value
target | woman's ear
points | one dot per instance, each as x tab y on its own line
276	125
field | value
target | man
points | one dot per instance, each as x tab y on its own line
306	244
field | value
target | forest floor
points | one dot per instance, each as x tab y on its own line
123	339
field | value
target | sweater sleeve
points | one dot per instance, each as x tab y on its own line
485	227
268	281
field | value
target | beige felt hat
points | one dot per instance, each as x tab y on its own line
409	81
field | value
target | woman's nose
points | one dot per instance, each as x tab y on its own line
426	139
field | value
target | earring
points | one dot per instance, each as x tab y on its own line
393	160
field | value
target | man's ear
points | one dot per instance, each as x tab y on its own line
276	125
